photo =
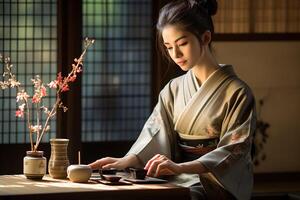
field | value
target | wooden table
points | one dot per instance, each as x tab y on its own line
18	187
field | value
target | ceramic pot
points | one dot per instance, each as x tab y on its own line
58	162
34	165
79	173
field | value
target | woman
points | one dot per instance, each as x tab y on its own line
201	128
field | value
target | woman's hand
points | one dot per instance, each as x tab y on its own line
117	163
106	162
161	165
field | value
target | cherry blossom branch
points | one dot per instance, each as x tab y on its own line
63	87
29	125
22	95
61	84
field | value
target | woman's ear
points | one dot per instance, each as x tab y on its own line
206	37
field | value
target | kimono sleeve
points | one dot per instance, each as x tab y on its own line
157	135
230	163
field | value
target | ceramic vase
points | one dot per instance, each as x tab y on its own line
34	165
58	162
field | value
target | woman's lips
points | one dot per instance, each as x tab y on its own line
181	62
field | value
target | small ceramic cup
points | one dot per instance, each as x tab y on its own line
79	173
138	173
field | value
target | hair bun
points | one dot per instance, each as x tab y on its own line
210	5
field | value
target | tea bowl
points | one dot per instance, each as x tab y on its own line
79	173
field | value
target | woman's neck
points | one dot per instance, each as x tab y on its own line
205	69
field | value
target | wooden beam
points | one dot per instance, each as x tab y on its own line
69	47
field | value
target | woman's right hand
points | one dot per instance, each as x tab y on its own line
106	162
117	163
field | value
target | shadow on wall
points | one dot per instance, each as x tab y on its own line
260	136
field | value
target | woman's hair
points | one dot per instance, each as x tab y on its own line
193	16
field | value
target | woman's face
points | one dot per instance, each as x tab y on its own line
183	47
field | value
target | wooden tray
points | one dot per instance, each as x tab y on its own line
146	180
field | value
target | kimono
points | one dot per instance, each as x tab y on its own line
212	123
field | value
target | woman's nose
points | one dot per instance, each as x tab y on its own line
177	53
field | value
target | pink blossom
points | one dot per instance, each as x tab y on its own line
72	78
65	88
37	81
22	107
36	98
4	85
74	67
14	82
79	70
19	113
43	91
35	128
22	96
53	84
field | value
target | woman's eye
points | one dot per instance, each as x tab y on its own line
169	48
182	44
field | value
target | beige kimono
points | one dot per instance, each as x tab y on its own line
212	123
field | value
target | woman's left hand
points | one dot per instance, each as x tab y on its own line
161	165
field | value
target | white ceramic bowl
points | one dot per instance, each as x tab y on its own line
79	173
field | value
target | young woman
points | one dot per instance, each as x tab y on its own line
201	128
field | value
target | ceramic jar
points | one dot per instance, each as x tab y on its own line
34	165
58	162
79	173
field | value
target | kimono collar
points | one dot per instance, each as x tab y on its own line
195	101
191	85
196	83
227	69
